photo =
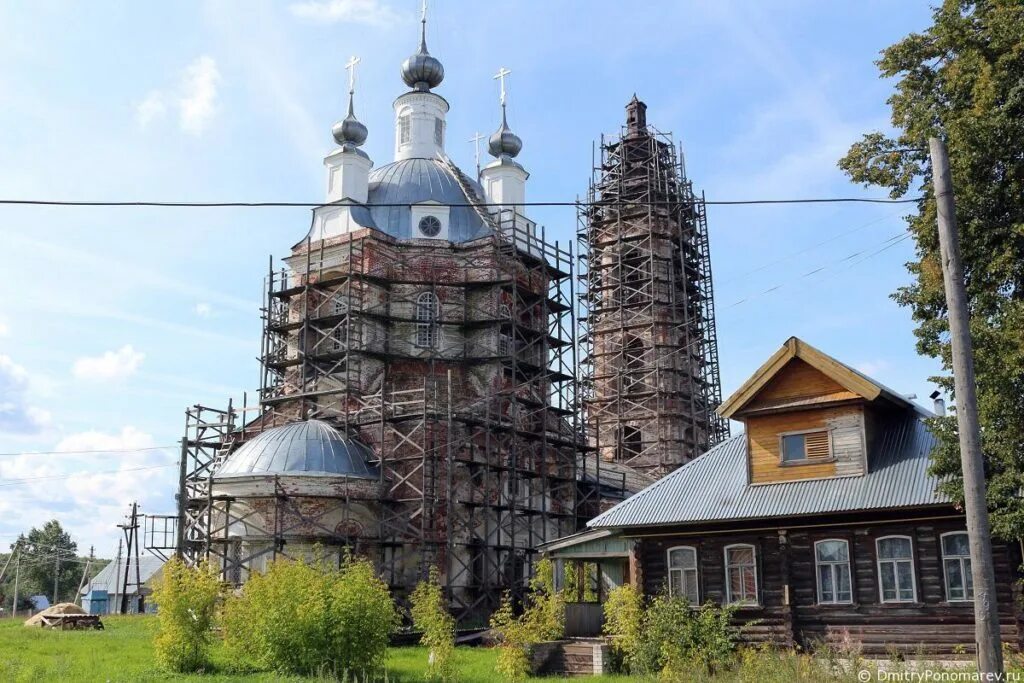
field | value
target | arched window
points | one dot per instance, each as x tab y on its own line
956	565
427	312
741	574
896	581
439	132
404	129
832	560
682	573
630	443
633	364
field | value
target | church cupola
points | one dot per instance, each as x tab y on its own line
420	113
348	168
504	180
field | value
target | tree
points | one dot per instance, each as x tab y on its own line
40	550
963	79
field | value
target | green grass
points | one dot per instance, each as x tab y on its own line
124	652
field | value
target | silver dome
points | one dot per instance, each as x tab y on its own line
349	132
422	71
412	181
503	142
301	448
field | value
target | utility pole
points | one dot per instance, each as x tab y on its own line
85	573
986	618
117	577
17	575
56	573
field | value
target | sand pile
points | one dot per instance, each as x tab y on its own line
54	610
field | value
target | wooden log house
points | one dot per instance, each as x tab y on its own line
821	521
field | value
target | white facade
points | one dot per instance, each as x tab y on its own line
419	125
504	182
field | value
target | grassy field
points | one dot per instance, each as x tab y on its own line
123	652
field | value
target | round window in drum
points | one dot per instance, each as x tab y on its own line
430	226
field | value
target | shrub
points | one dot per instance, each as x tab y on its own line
543	618
430	614
667	636
187	601
307	618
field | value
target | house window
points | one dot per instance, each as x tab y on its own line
404	129
956	564
741	574
682	573
832	559
429	226
806	446
439	132
426	320
896	569
338	338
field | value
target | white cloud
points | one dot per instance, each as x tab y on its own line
198	101
150	109
194	98
370	12
17	416
204	310
112	365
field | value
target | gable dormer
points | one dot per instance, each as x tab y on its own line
808	416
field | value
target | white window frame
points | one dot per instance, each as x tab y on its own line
427	311
832	568
878	567
683	570
728	584
964	572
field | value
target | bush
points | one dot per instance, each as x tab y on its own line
187	601
430	614
667	636
306	618
543	618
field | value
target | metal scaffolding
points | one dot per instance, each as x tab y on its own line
456	365
649	351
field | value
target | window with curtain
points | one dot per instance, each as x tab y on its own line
956	564
682	573
896	569
427	307
832	562
741	574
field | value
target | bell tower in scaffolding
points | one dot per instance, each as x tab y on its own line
649	348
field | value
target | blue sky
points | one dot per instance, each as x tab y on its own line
112	320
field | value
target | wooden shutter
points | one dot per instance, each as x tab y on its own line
816	445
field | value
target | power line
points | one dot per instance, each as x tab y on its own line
61	477
314	205
98	450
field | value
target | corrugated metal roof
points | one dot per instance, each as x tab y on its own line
306	448
714	486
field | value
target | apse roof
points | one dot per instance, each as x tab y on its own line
311	447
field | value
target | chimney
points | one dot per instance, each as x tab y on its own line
939	404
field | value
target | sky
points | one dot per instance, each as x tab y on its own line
113	320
